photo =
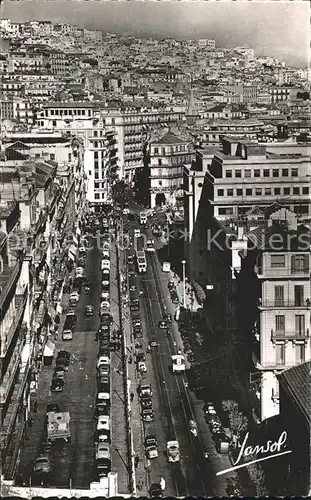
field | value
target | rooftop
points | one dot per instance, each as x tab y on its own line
296	382
168	138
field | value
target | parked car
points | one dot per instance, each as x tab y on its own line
59	372
52	407
162	324
103	422
42	464
89	311
102	450
102	435
146	402
147	414
103	360
105	295
67	334
106	254
57	385
64	354
105	304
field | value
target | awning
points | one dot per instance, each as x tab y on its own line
72	252
49	348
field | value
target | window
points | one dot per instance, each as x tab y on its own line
225	211
286	190
256	172
258	192
96	196
294	172
275	172
156	151
277	191
90	172
305	190
228	173
96	185
249	192
103	196
159	162
267	191
266	172
299	324
296	190
280	323
239	192
160	183
277	260
52	156
299	295
220	192
280	354
300	353
54	123
95	155
69	156
238	173
247	173
285	172
279	295
37	155
96	175
300	264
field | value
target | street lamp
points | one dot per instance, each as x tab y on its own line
184	281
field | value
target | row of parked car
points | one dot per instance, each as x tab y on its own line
102	436
222	441
173	292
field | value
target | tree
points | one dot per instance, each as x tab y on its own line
237	421
257	476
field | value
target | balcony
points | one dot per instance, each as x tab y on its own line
293	336
9	375
21	300
11	413
279	304
8	279
270	365
297	272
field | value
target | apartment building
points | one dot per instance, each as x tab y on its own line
247	174
45	213
168	155
26	62
278	250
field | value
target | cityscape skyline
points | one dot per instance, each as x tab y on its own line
285	35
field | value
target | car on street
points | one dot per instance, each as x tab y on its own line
67	334
102	435
106	318
162	324
105	264
102	450
64	354
57	385
82	250
103	422
106	245
103	360
171	286
137	332
167	317
74	296
89	310
52	407
136	322
106	254
104	370
103	384
42	465
209	408
142	367
71	319
59	372
105	295
105	304
155	490
153	343
146	402
147	415
79	270
151	446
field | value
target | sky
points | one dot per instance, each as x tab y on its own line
274	28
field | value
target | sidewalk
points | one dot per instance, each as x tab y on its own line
217	461
119	450
141	472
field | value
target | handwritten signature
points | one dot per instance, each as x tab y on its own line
271	447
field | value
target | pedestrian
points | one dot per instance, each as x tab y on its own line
136	461
35	406
132	396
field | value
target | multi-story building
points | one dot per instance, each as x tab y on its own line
168	155
25	62
278	250
247	174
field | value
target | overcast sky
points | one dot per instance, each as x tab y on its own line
279	29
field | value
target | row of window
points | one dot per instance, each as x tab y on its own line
268	191
297	209
97	196
299	262
280	350
169	149
60	112
299	324
265	172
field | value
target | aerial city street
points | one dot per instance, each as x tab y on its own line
155	284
